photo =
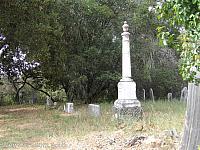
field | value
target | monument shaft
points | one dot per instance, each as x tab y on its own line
126	61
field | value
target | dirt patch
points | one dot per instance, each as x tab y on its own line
27	126
18	111
3	133
116	140
68	114
22	109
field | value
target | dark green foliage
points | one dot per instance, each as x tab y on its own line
164	81
78	44
182	32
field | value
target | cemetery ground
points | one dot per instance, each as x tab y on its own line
34	127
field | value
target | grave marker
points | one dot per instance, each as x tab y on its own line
69	107
151	95
169	96
184	94
94	110
127	102
144	94
49	102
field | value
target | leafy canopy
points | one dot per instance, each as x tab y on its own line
182	32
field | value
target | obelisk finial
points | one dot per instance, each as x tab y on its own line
125	26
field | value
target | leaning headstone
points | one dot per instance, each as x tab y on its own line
151	95
49	102
169	96
69	107
94	110
184	94
144	94
55	104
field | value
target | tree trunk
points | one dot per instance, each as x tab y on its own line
17	99
17	96
40	90
191	136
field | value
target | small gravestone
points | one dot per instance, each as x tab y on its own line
144	94
169	96
49	102
151	94
184	94
69	108
94	110
55	104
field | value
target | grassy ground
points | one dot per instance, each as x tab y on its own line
25	125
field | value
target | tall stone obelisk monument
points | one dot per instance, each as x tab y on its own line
127	101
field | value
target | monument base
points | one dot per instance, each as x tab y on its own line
127	108
127	103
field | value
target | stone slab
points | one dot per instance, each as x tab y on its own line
69	107
94	110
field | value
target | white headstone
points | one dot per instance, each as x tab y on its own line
69	107
144	94
94	110
151	95
55	103
49	102
184	94
169	96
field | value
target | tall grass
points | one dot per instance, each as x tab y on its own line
22	124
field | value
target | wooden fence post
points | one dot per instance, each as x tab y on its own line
191	135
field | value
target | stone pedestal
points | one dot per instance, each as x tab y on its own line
127	103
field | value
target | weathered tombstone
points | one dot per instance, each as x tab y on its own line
49	102
127	103
144	94
151	95
184	94
94	110
69	107
55	104
169	96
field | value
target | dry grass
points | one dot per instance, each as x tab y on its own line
29	127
